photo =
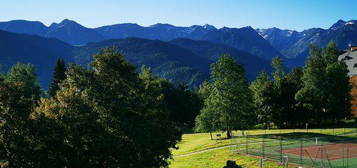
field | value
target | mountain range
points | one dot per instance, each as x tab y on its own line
173	52
265	43
67	31
294	46
179	60
71	32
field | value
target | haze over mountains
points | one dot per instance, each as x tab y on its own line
176	53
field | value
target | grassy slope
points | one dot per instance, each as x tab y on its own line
217	158
198	142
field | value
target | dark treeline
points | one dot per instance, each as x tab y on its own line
317	94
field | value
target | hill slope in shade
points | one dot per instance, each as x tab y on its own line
212	51
24	27
178	60
41	52
166	60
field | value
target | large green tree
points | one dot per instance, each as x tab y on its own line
326	90
274	99
59	74
282	95
263	92
25	75
182	102
230	98
206	121
19	93
110	116
286	110
292	112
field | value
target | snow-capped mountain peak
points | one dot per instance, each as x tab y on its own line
209	27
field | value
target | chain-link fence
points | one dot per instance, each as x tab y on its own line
302	148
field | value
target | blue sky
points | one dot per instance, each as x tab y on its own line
287	14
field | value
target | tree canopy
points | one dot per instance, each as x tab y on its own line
326	89
317	94
105	116
59	74
230	99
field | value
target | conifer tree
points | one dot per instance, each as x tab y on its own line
59	75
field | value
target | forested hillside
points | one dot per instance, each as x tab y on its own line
180	60
41	52
212	51
166	60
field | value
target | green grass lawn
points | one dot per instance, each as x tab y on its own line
192	143
198	142
217	159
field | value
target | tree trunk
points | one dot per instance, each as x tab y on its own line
229	135
210	133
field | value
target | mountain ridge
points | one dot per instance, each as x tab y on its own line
296	49
171	61
265	43
41	52
73	33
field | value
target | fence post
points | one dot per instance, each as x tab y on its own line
348	156
263	147
281	149
246	143
322	154
301	150
261	163
307	127
343	154
286	161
